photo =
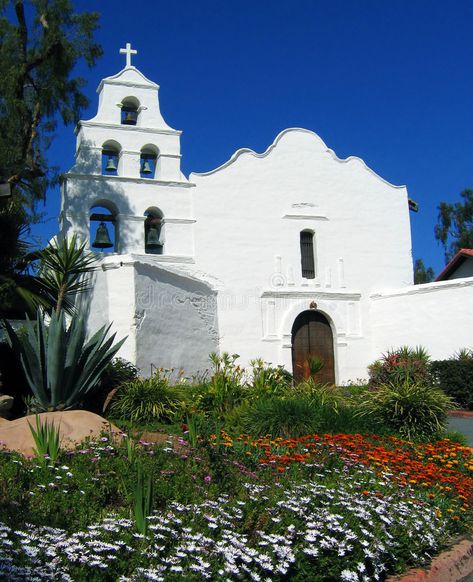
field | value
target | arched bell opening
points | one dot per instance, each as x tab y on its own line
111	158
154	244
103	228
148	161
313	348
130	108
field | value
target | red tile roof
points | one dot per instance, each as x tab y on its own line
453	265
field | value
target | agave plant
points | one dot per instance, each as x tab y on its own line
60	365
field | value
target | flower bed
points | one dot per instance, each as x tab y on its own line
328	507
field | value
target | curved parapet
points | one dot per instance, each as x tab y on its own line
322	145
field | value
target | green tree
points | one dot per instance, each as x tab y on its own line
454	229
422	274
41	41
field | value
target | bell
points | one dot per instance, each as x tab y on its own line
152	238
130	118
111	165
102	238
146	167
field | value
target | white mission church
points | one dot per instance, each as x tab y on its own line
280	255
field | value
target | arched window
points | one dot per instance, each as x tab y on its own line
307	254
110	158
103	227
148	160
154	243
130	110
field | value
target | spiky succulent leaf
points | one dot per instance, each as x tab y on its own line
59	364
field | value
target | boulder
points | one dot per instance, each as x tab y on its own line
6	403
74	427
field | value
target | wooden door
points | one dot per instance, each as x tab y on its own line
312	338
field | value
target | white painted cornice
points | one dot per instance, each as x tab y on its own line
143	82
123	127
118	179
179	265
314	293
424	288
266	153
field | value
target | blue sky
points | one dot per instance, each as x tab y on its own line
390	82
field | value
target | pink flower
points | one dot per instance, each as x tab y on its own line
207	478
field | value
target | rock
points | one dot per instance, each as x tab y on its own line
74	427
6	403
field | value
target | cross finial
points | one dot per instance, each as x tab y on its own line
128	51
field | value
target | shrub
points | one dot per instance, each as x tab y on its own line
455	378
267	379
293	416
116	373
399	365
12	379
410	409
223	391
146	399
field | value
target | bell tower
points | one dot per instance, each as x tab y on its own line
126	193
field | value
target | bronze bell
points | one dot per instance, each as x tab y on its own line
102	238
130	117
111	165
152	238
146	167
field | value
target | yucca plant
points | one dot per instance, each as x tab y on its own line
62	273
60	365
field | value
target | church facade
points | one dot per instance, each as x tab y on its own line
287	255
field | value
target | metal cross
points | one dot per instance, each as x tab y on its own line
128	51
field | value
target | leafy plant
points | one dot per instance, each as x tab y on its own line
315	364
464	354
223	391
117	372
146	399
455	378
267	379
411	409
293	416
142	501
399	365
63	266
194	424
46	438
60	366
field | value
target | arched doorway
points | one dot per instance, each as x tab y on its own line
312	342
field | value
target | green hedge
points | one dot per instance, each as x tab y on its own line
455	377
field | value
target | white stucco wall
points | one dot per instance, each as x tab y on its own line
176	319
438	316
168	313
254	208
